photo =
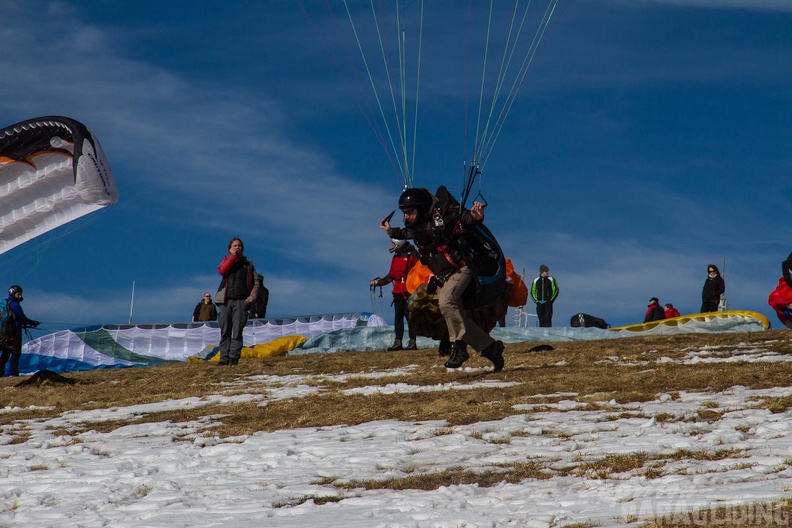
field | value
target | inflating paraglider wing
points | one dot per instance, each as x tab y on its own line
52	171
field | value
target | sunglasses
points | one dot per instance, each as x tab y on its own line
711	271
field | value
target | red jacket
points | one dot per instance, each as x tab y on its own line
672	312
401	263
780	300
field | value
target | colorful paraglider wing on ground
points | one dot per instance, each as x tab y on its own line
52	171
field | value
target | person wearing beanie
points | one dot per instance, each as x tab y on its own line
654	312
544	291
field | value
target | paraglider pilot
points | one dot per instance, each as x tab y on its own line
404	258
13	324
431	221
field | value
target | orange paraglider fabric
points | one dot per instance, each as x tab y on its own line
418	274
519	291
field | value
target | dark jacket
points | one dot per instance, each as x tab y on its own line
654	312
434	233
544	289
714	287
239	278
212	312
258	309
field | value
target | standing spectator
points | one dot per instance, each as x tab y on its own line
18	321
670	311
236	293
205	310
544	291
714	287
258	310
654	312
404	258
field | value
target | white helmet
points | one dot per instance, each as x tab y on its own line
397	244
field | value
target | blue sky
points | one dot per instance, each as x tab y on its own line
649	139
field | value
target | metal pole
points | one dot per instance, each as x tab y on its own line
132	302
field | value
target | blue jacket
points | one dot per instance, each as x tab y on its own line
21	320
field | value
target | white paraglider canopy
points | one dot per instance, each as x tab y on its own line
52	171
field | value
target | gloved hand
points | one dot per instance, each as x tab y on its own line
35	324
434	283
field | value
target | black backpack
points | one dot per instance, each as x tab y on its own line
8	337
582	320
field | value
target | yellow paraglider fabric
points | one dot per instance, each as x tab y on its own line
699	317
273	348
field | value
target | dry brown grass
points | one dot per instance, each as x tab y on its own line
583	368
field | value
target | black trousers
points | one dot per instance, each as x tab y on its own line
15	353
709	306
400	314
545	314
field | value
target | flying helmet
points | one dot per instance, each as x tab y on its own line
398	245
417	198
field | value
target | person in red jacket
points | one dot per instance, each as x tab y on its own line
670	311
780	299
237	291
404	258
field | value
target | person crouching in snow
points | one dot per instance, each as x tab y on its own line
404	258
780	299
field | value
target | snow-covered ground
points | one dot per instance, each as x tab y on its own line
180	475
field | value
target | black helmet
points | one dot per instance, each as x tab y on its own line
14	289
417	198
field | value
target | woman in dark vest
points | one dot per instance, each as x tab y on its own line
237	291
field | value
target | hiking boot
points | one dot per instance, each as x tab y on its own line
397	345
222	363
459	355
494	353
232	362
445	348
411	345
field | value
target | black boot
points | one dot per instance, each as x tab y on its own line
459	355
494	353
397	345
445	348
411	345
